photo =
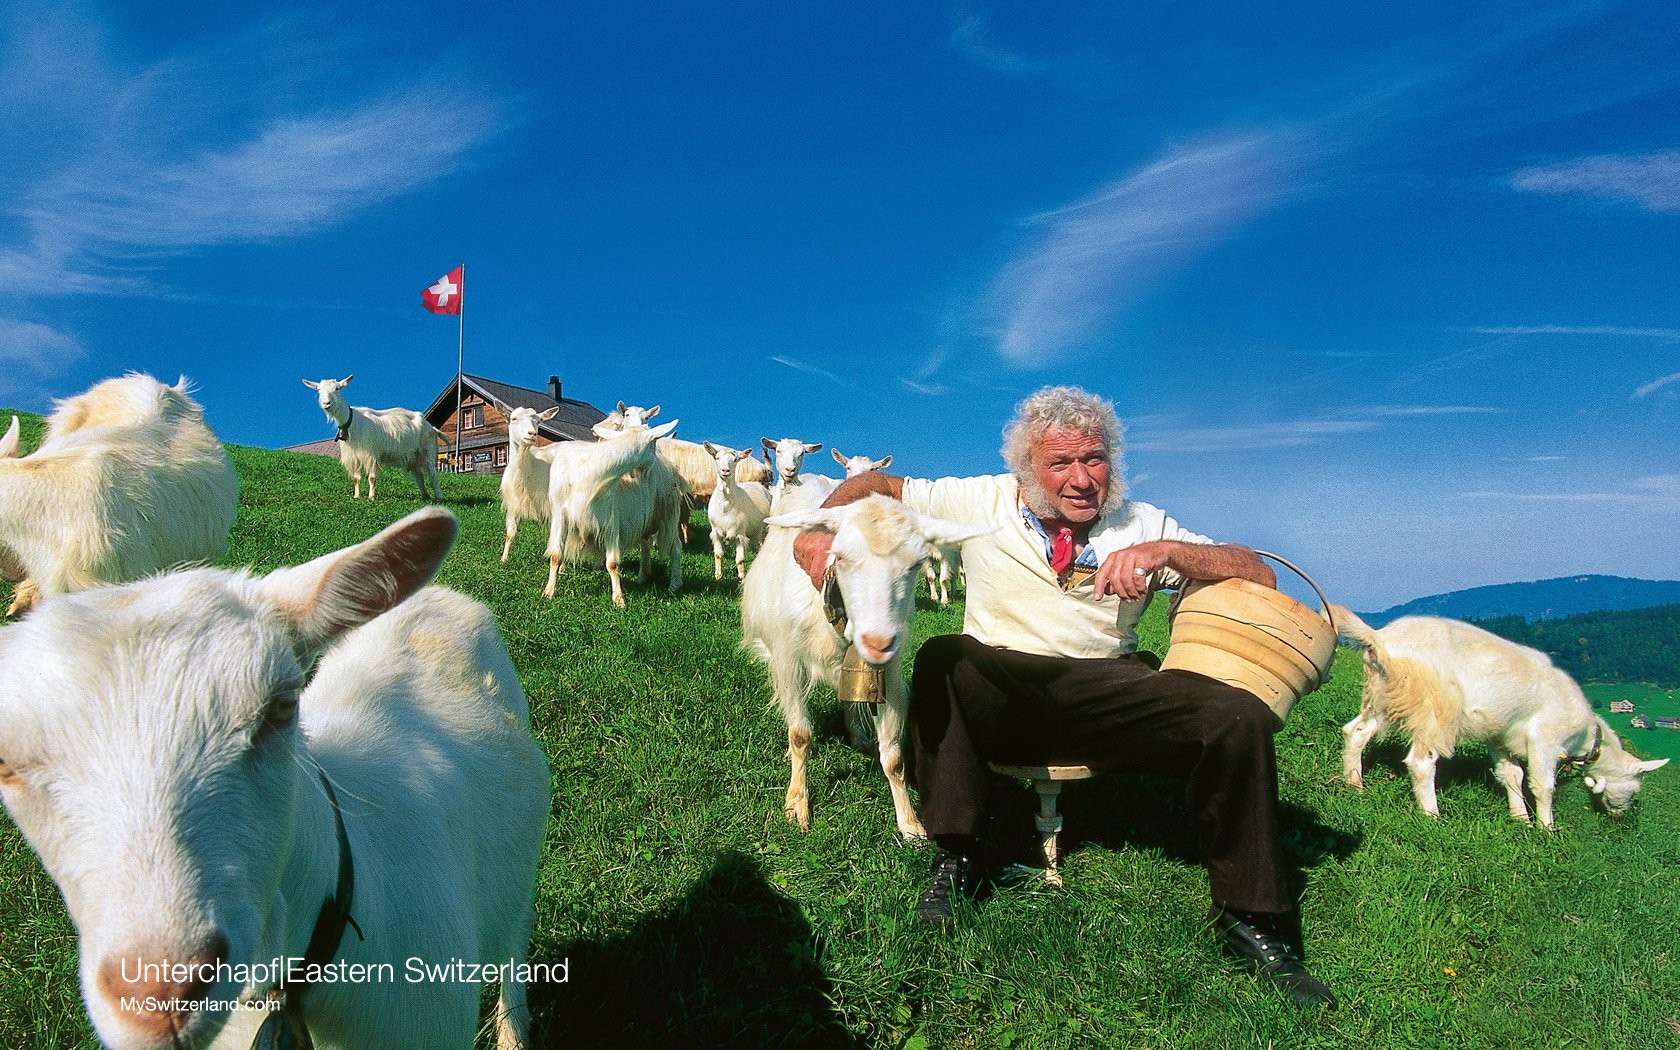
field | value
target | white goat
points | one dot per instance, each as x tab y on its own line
1444	681
788	455
197	796
944	564
609	496
736	510
878	544
127	481
694	466
370	438
855	465
525	482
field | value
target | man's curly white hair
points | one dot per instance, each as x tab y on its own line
1062	408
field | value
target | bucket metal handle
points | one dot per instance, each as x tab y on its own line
1292	567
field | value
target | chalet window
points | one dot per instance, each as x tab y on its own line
501	455
472	418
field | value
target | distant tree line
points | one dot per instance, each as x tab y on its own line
1633	645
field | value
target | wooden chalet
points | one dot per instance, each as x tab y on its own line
483	411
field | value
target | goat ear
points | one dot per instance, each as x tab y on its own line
822	519
663	429
883	464
838	458
814	448
650	413
9	443
944	533
324	598
549	414
769	447
605	432
711	449
622	408
1655	763
346	380
311	384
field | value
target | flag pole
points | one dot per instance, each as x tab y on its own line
460	359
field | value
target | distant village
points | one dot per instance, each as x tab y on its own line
1639	721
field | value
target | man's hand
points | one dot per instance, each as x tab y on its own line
810	550
1127	572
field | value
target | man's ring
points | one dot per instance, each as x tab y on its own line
1141	571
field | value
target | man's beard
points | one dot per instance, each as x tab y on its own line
1039	502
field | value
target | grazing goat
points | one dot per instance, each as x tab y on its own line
1443	681
736	510
525	482
612	495
878	545
127	481
198	794
370	438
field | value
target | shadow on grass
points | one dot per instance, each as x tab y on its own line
1470	765
1135	811
732	964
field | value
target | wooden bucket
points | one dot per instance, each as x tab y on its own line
1253	637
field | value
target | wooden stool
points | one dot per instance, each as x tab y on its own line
1047	781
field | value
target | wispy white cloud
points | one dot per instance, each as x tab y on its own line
1651	181
802	366
191	152
922	381
1563	329
1655	385
1158	434
29	354
1566	497
972	39
1384	411
1091	260
296	175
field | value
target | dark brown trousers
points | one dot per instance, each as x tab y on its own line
971	703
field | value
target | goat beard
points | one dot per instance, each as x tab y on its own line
1039	502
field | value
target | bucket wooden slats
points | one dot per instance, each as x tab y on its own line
1253	637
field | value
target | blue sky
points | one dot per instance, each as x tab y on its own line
1391	289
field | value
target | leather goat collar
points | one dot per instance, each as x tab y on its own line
1593	752
284	1029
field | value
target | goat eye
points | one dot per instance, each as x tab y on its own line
281	712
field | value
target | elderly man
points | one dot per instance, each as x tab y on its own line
1046	669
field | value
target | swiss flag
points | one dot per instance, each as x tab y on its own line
444	296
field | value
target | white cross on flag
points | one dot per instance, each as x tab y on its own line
444	296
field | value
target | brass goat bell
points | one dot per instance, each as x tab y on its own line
860	681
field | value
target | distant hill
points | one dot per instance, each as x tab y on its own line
1539	600
1630	645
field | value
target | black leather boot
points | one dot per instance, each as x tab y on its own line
1269	944
956	876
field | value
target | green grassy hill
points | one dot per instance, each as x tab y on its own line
691	914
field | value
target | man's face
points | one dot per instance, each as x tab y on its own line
1072	467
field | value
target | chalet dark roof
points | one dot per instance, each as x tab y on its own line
323	447
572	422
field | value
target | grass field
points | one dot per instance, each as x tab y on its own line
691	914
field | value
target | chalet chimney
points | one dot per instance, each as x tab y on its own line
554	387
